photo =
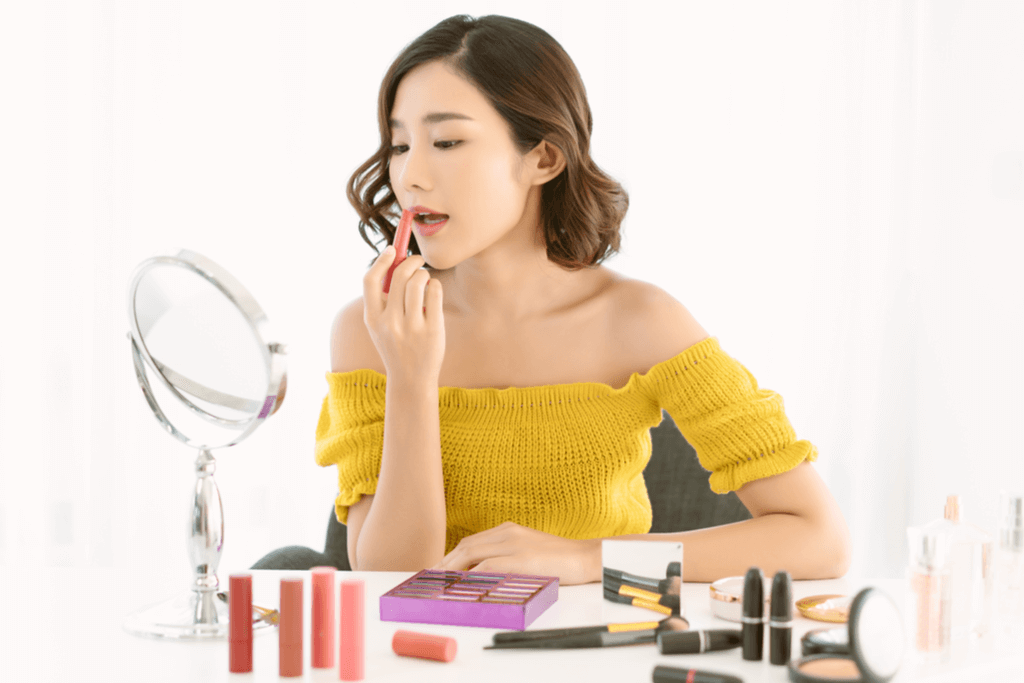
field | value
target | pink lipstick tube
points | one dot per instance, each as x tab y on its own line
401	246
352	648
322	629
240	623
290	628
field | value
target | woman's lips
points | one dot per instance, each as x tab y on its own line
428	229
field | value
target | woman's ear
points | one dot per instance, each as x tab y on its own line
545	162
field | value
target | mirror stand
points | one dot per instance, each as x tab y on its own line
203	613
214	361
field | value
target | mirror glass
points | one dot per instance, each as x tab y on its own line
207	367
205	349
878	635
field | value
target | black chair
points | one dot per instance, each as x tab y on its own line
677	485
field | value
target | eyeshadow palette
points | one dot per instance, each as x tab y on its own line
468	598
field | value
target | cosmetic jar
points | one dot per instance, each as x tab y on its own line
874	635
727	598
831	608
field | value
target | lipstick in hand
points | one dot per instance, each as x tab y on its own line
401	246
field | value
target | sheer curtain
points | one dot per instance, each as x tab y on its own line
832	188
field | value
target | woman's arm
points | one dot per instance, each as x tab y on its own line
797	526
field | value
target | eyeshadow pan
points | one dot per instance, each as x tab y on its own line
504	601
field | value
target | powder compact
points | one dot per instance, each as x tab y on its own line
833	608
727	598
868	649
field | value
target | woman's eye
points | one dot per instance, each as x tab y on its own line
441	144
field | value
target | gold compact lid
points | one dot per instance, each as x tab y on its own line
834	609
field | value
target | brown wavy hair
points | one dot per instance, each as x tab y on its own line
534	85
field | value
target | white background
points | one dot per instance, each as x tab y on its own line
834	189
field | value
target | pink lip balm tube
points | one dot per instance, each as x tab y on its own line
289	632
352	648
240	623
322	629
401	246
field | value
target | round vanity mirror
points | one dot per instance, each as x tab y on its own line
211	373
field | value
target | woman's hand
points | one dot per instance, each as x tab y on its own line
510	547
407	324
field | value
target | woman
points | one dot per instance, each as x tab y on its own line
493	410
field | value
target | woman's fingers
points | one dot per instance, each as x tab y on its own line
374	297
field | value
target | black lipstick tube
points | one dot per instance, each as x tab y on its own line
753	614
698	642
672	674
780	635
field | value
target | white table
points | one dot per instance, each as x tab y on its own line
86	642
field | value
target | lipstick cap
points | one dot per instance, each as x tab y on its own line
782	597
753	594
350	660
290	628
240	623
322	625
781	635
424	645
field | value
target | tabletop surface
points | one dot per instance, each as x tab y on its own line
65	624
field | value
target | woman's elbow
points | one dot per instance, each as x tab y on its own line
833	550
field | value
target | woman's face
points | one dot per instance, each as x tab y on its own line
465	166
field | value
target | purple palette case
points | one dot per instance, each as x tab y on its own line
468	598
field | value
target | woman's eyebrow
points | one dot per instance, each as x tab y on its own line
435	117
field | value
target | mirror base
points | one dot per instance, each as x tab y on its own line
195	616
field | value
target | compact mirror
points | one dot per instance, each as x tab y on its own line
868	649
203	355
876	635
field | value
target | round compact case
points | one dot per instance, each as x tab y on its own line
826	641
727	598
871	650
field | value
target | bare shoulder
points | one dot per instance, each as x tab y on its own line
652	324
351	345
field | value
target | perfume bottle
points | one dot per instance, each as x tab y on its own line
1009	569
928	597
970	573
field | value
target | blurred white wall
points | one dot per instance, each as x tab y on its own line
834	189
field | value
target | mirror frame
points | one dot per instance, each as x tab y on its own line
273	352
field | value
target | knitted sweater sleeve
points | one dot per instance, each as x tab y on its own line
740	431
350	434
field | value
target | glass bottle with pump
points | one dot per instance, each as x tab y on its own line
970	569
928	581
1009	570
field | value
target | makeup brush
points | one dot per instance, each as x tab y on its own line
669	586
668	624
594	639
271	616
638	602
674	569
632	591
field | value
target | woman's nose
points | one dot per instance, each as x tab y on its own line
415	172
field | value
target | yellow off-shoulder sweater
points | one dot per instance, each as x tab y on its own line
568	459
